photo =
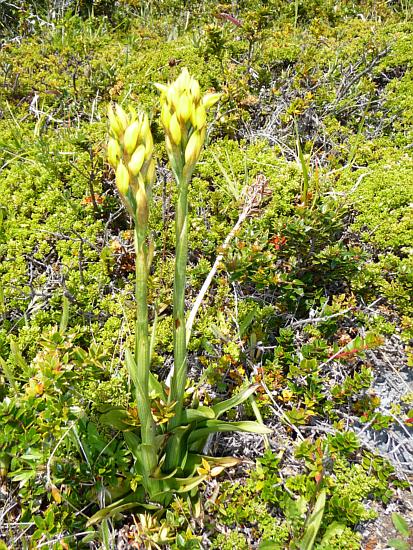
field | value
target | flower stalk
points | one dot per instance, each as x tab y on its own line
183	117
130	151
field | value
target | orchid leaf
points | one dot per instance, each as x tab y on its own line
234	401
212	426
201	413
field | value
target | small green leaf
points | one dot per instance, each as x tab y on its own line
133	442
400	524
246	321
334	529
118	419
399	544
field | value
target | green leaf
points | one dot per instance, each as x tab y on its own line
133	442
184	485
146	458
118	419
95	440
334	529
307	542
400	524
131	501
269	545
8	373
212	426
399	544
194	460
156	387
314	522
234	401
131	366
65	316
22	476
201	413
246	321
177	448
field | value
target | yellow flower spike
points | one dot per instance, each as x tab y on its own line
193	149
122	178
114	123
184	108
130	137
210	99
121	116
113	152
136	161
175	130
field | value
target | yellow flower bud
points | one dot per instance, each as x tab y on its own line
165	115
133	115
136	162
169	146
114	123
184	108
175	130
210	99
172	97
193	149
195	90
148	146
121	116
183	80
162	88
122	178
145	130
199	117
150	174
141	204
114	152
130	137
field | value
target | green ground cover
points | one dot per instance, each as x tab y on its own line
312	140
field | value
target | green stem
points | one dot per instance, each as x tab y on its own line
180	356
142	342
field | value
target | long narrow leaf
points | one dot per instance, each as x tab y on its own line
234	401
133	500
8	373
133	442
177	449
201	413
314	522
131	366
212	426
